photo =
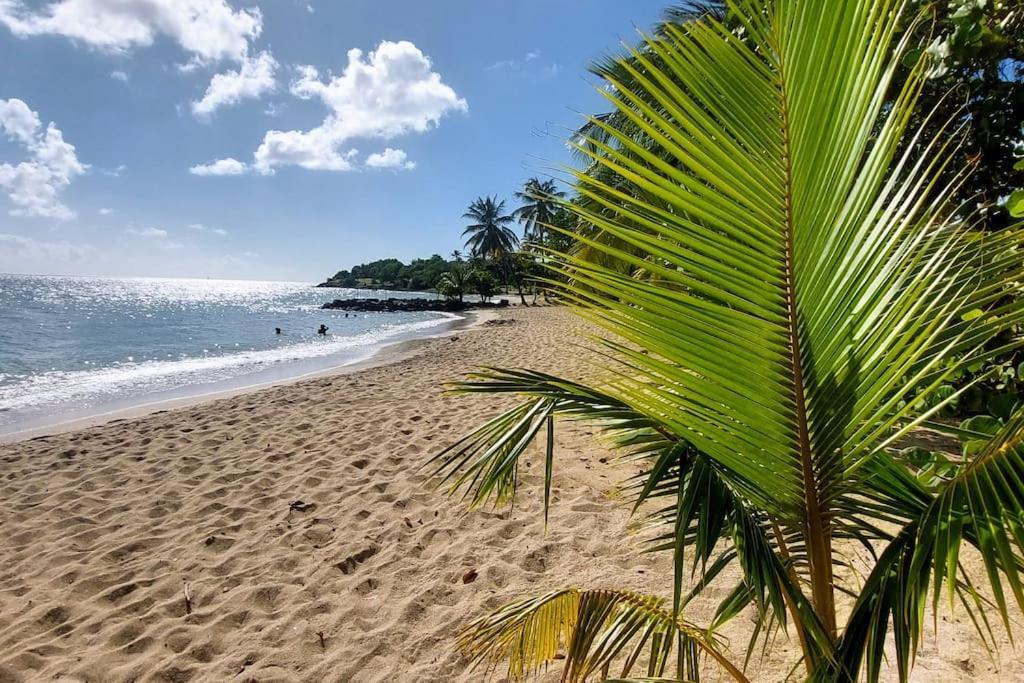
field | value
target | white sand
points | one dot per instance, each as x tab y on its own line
102	529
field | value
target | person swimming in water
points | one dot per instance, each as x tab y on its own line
277	330
323	329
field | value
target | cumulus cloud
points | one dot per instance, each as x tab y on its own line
251	80
209	30
220	167
18	121
315	150
106	212
390	158
391	91
35	184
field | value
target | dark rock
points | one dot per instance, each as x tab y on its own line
410	305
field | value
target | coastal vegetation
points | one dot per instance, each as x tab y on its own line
390	273
495	255
799	258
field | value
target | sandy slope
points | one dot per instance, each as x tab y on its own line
310	546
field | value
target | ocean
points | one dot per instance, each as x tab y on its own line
77	347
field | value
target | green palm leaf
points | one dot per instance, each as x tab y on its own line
592	629
484	464
983	506
791	242
787	287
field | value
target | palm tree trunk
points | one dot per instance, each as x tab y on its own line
522	298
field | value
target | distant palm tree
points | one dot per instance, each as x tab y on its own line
489	236
457	256
452	283
540	204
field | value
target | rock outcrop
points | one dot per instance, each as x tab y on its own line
393	305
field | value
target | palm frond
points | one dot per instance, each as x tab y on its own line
484	464
594	630
982	506
792	243
787	285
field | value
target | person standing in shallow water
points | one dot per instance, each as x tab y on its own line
277	330
323	329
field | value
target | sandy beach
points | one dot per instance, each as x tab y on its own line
309	547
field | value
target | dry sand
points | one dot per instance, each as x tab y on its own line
309	544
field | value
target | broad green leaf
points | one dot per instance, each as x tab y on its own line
985	424
1015	204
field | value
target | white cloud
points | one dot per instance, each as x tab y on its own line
158	236
314	150
114	172
220	167
22	248
310	9
389	92
199	227
18	121
34	185
390	158
253	78
523	65
106	212
209	30
155	233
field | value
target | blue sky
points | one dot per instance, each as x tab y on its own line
226	138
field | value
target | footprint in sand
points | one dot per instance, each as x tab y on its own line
350	563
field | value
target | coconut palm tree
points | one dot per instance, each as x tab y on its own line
453	283
540	204
489	236
811	287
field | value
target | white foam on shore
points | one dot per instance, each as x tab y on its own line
83	388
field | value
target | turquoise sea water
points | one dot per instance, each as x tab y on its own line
72	347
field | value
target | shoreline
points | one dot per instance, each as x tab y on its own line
385	354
